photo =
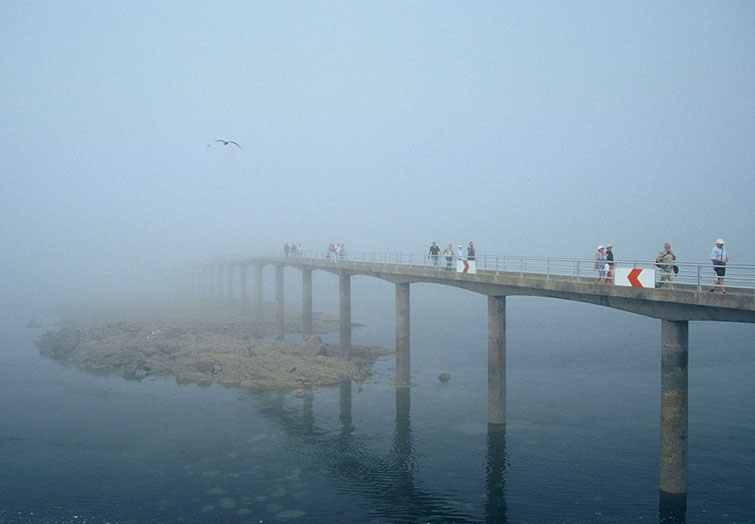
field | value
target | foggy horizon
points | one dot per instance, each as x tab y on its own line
533	129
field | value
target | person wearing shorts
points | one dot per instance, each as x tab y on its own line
719	257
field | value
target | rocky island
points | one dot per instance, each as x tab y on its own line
206	345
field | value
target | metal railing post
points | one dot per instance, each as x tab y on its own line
699	281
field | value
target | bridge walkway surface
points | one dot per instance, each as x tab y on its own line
684	299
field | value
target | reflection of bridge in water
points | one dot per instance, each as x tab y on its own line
674	307
385	479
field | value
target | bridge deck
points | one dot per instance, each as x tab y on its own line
683	302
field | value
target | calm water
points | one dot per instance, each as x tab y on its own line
581	443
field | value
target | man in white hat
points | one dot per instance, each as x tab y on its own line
719	257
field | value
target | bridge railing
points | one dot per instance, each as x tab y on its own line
699	276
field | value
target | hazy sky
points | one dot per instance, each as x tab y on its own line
532	128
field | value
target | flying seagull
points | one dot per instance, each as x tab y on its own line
225	143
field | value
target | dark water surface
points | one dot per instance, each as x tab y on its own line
581	442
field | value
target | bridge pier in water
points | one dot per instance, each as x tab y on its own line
402	335
344	285
306	302
496	360
229	276
243	291
258	297
674	412
280	314
219	282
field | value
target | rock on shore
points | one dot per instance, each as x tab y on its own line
206	346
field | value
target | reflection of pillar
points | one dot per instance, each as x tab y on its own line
495	475
403	463
402	335
403	441
242	278
345	314
279	316
496	360
674	371
345	408
308	417
306	302
230	282
258	293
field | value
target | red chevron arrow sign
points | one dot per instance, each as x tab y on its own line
634	277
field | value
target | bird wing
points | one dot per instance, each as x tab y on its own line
235	144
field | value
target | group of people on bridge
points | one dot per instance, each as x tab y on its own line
294	250
449	255
604	260
664	261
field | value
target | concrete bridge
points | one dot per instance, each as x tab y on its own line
496	278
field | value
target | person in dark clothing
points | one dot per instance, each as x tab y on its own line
435	253
470	252
609	261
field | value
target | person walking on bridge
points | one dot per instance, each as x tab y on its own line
449	254
471	251
609	260
600	264
719	257
435	253
665	262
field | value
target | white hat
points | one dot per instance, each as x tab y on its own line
600	247
719	241
459	245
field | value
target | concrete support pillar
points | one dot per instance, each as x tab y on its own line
259	300
279	315
403	335
242	278
496	360
306	302
219	282
674	403
230	282
345	314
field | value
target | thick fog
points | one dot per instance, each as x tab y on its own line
531	128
